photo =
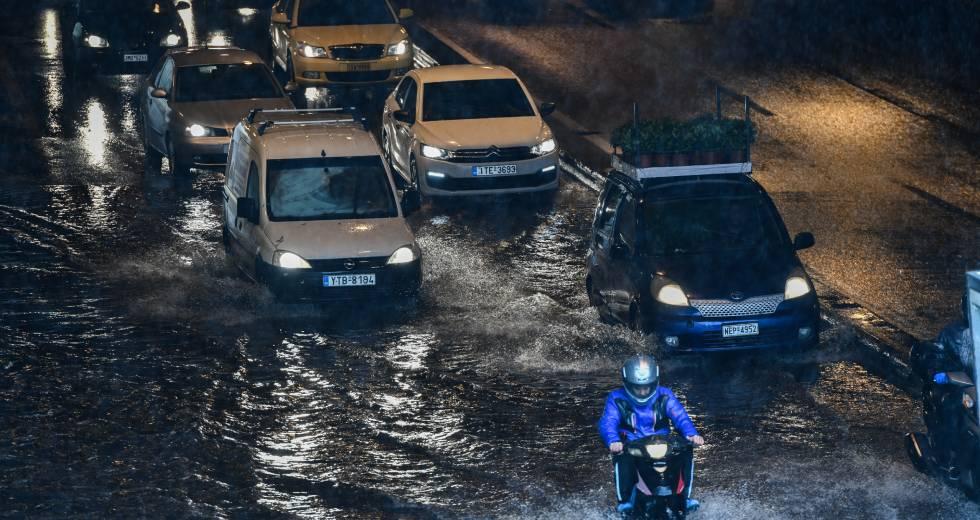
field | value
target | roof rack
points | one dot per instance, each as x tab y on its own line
695	170
304	116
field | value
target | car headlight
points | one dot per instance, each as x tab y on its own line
197	130
796	286
288	260
672	294
544	148
399	49
170	40
434	153
311	51
402	255
96	42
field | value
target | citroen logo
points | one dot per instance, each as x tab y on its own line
737	296
493	152
350	264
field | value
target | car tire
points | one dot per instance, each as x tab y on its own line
636	320
177	168
400	182
152	159
414	169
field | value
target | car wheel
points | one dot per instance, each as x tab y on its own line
636	318
414	169
177	168
152	159
290	70
386	153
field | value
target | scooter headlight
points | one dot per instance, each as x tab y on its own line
657	451
968	402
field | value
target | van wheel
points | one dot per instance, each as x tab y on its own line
152	159
177	168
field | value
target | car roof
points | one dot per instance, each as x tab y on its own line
191	56
463	73
708	186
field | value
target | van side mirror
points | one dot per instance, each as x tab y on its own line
411	201
546	109
804	241
159	93
402	116
248	209
405	14
180	6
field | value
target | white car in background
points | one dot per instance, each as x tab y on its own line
469	130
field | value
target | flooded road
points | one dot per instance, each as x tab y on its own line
142	376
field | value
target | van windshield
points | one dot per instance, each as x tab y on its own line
333	188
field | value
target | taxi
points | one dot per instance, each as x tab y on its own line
702	260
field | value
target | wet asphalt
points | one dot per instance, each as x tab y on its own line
144	377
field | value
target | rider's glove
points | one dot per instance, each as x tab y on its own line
941	378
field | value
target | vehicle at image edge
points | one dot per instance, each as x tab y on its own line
664	497
703	262
310	209
193	99
468	130
338	42
101	43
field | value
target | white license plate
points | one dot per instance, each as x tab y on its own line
740	329
358	67
348	280
135	58
486	171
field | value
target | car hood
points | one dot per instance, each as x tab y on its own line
348	34
332	239
482	133
225	114
719	276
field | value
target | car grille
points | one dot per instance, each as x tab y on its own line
340	265
758	306
358	77
765	338
357	52
493	183
492	154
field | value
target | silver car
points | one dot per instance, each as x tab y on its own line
193	99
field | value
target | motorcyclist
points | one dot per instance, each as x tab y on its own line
639	409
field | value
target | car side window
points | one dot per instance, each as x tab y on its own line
402	88
165	79
252	188
411	98
626	222
605	220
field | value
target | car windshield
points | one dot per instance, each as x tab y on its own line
316	13
224	82
475	99
717	225
332	188
127	6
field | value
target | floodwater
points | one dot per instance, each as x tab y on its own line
141	375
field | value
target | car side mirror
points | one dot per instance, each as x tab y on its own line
619	249
804	241
290	87
405	14
180	6
546	109
248	209
402	116
279	18
411	201
159	93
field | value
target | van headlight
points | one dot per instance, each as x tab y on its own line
170	40
796	286
312	51
672	294
399	49
287	260
434	153
96	42
402	255
544	148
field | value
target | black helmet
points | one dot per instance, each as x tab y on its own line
641	375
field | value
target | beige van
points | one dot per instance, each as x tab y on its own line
310	209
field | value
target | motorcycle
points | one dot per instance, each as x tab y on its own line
663	497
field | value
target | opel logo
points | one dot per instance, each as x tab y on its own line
350	264
738	296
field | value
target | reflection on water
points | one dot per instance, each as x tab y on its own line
94	134
219	39
51	50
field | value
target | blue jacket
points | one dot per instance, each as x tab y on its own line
645	420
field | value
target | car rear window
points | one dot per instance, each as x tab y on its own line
334	188
225	82
475	99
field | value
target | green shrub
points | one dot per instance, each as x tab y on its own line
702	133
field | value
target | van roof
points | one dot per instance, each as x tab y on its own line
306	140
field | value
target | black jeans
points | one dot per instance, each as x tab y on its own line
625	470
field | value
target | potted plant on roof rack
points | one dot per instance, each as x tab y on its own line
699	141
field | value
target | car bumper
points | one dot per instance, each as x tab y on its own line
203	152
321	72
113	60
306	285
794	325
447	179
